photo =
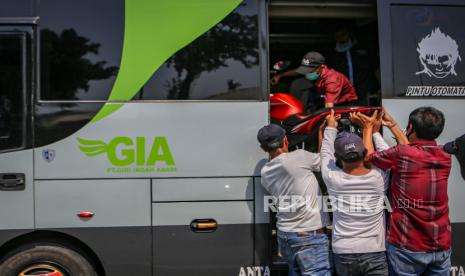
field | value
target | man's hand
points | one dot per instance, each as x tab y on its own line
378	122
365	121
387	120
356	119
320	134
369	124
275	79
331	119
323	125
399	135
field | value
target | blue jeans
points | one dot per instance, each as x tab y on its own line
404	262
306	254
361	264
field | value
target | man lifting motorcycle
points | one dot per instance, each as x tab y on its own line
330	84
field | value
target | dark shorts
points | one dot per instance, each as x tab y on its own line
361	264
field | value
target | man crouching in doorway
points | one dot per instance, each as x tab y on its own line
288	177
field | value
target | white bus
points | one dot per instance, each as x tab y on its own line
128	127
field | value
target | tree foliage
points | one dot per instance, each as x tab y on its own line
67	68
234	38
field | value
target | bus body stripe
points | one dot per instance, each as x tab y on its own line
154	31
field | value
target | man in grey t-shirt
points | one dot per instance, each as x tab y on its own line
289	178
357	194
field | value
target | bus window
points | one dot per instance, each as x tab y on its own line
80	48
222	64
17	8
11	91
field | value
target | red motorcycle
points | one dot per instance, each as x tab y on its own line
301	128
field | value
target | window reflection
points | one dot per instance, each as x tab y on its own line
222	64
81	44
66	71
11	92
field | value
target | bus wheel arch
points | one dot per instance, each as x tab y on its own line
51	238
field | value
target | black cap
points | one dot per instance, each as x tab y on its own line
310	61
271	136
457	148
349	146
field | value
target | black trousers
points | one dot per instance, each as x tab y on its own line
363	264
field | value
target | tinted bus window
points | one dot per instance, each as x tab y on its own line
11	91
17	8
222	64
428	51
81	44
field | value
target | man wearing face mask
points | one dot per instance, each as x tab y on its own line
419	232
356	62
332	85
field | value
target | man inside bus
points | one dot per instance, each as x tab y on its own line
358	63
330	84
289	178
419	232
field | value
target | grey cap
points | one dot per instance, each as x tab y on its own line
310	61
349	146
271	136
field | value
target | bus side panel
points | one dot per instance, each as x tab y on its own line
454	114
162	140
122	250
179	249
458	252
17	205
263	238
120	230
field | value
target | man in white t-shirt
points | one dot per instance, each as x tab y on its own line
289	178
357	195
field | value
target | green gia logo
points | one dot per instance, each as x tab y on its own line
124	151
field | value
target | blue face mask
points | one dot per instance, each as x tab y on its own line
344	47
312	76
